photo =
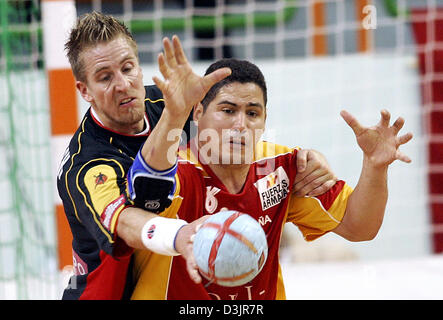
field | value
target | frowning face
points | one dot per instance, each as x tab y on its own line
114	85
232	124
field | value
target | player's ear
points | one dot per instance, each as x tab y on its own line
83	89
198	112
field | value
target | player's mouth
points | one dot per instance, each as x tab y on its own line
127	102
237	142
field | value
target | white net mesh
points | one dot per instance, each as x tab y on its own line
27	245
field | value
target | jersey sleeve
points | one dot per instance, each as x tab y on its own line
315	216
98	192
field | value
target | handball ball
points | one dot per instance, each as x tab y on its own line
230	248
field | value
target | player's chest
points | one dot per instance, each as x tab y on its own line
264	197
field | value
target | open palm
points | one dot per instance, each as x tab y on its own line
380	143
181	87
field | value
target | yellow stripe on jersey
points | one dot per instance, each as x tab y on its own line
313	220
281	293
101	182
152	270
266	149
91	208
154	101
70	167
188	155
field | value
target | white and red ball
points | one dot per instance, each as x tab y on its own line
230	248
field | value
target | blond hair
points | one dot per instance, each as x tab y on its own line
92	29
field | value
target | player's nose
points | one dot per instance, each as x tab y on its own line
122	83
239	121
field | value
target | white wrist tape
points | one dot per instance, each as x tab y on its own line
158	235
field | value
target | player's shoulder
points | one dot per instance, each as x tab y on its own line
87	139
154	104
188	162
89	147
153	95
266	150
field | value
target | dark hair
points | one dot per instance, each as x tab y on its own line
91	29
242	71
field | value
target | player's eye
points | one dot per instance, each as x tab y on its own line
105	78
127	68
228	110
252	114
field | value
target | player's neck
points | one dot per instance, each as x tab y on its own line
232	176
137	128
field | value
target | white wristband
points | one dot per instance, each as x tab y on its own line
158	235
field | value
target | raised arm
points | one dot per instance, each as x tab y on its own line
152	174
182	89
366	205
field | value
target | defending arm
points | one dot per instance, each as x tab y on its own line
151	189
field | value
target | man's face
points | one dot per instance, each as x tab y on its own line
232	124
114	85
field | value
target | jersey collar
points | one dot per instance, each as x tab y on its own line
97	120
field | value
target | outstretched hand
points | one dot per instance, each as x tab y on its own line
181	87
184	244
380	143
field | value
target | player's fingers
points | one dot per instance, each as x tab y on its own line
169	53
398	124
385	118
192	267
323	188
312	171
159	83
402	157
303	180
197	227
178	49
352	122
214	77
162	66
310	187
404	138
305	185
302	159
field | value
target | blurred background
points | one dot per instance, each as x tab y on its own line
318	57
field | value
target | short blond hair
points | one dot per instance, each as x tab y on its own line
92	29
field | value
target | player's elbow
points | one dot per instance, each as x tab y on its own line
357	231
362	236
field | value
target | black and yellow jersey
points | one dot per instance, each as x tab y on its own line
92	185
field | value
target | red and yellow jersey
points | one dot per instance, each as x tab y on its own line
266	196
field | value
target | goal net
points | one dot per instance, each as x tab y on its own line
27	248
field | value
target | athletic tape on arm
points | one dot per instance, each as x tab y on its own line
151	189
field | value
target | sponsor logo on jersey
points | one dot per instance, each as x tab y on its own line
273	188
264	220
110	210
100	179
